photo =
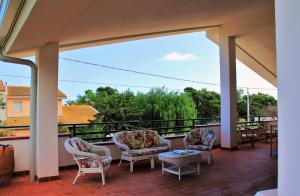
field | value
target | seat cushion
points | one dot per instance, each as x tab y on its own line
95	163
151	139
198	147
138	139
126	138
146	151
162	149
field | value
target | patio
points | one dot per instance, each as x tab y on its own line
244	30
240	172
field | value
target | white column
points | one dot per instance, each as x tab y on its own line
288	83
228	92
46	138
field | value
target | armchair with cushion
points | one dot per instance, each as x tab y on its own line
140	145
87	157
200	139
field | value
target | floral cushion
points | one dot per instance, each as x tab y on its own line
147	151
126	138
96	162
151	139
207	137
139	139
198	147
79	145
195	136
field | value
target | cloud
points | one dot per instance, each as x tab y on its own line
175	56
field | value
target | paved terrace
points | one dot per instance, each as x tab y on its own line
241	172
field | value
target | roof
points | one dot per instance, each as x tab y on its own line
76	114
24	91
72	114
2	87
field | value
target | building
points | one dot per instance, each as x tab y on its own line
16	110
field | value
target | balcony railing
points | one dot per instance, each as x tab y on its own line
103	131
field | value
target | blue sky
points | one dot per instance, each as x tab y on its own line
189	56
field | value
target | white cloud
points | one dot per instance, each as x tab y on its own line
175	56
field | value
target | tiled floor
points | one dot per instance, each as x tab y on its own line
241	172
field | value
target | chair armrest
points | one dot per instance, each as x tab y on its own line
186	141
165	142
212	144
96	148
84	155
122	147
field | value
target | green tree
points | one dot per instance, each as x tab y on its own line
260	102
207	102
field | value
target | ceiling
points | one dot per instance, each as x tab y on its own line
84	23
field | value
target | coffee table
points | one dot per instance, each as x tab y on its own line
181	164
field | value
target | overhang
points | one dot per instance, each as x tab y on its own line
76	24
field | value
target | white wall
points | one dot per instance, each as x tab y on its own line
287	14
21	147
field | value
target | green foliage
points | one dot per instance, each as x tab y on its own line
158	104
62	129
2	103
207	102
261	104
5	132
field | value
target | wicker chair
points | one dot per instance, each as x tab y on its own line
200	139
87	157
140	145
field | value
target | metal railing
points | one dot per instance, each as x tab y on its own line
103	131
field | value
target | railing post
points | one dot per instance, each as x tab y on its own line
74	130
193	123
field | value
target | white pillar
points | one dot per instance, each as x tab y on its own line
46	138
228	92
288	83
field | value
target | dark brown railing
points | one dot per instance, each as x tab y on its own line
103	131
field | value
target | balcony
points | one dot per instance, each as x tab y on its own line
240	172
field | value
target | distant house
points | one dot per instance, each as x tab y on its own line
16	110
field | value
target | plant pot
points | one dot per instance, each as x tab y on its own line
7	163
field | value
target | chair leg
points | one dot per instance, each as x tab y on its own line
131	166
152	163
210	158
77	176
120	162
103	177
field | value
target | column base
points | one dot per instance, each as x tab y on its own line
229	149
47	179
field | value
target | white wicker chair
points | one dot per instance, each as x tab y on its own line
87	159
202	140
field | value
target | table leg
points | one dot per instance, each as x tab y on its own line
162	167
179	173
198	168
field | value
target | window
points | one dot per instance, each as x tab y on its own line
17	106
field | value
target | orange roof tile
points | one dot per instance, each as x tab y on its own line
2	87
72	114
25	91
